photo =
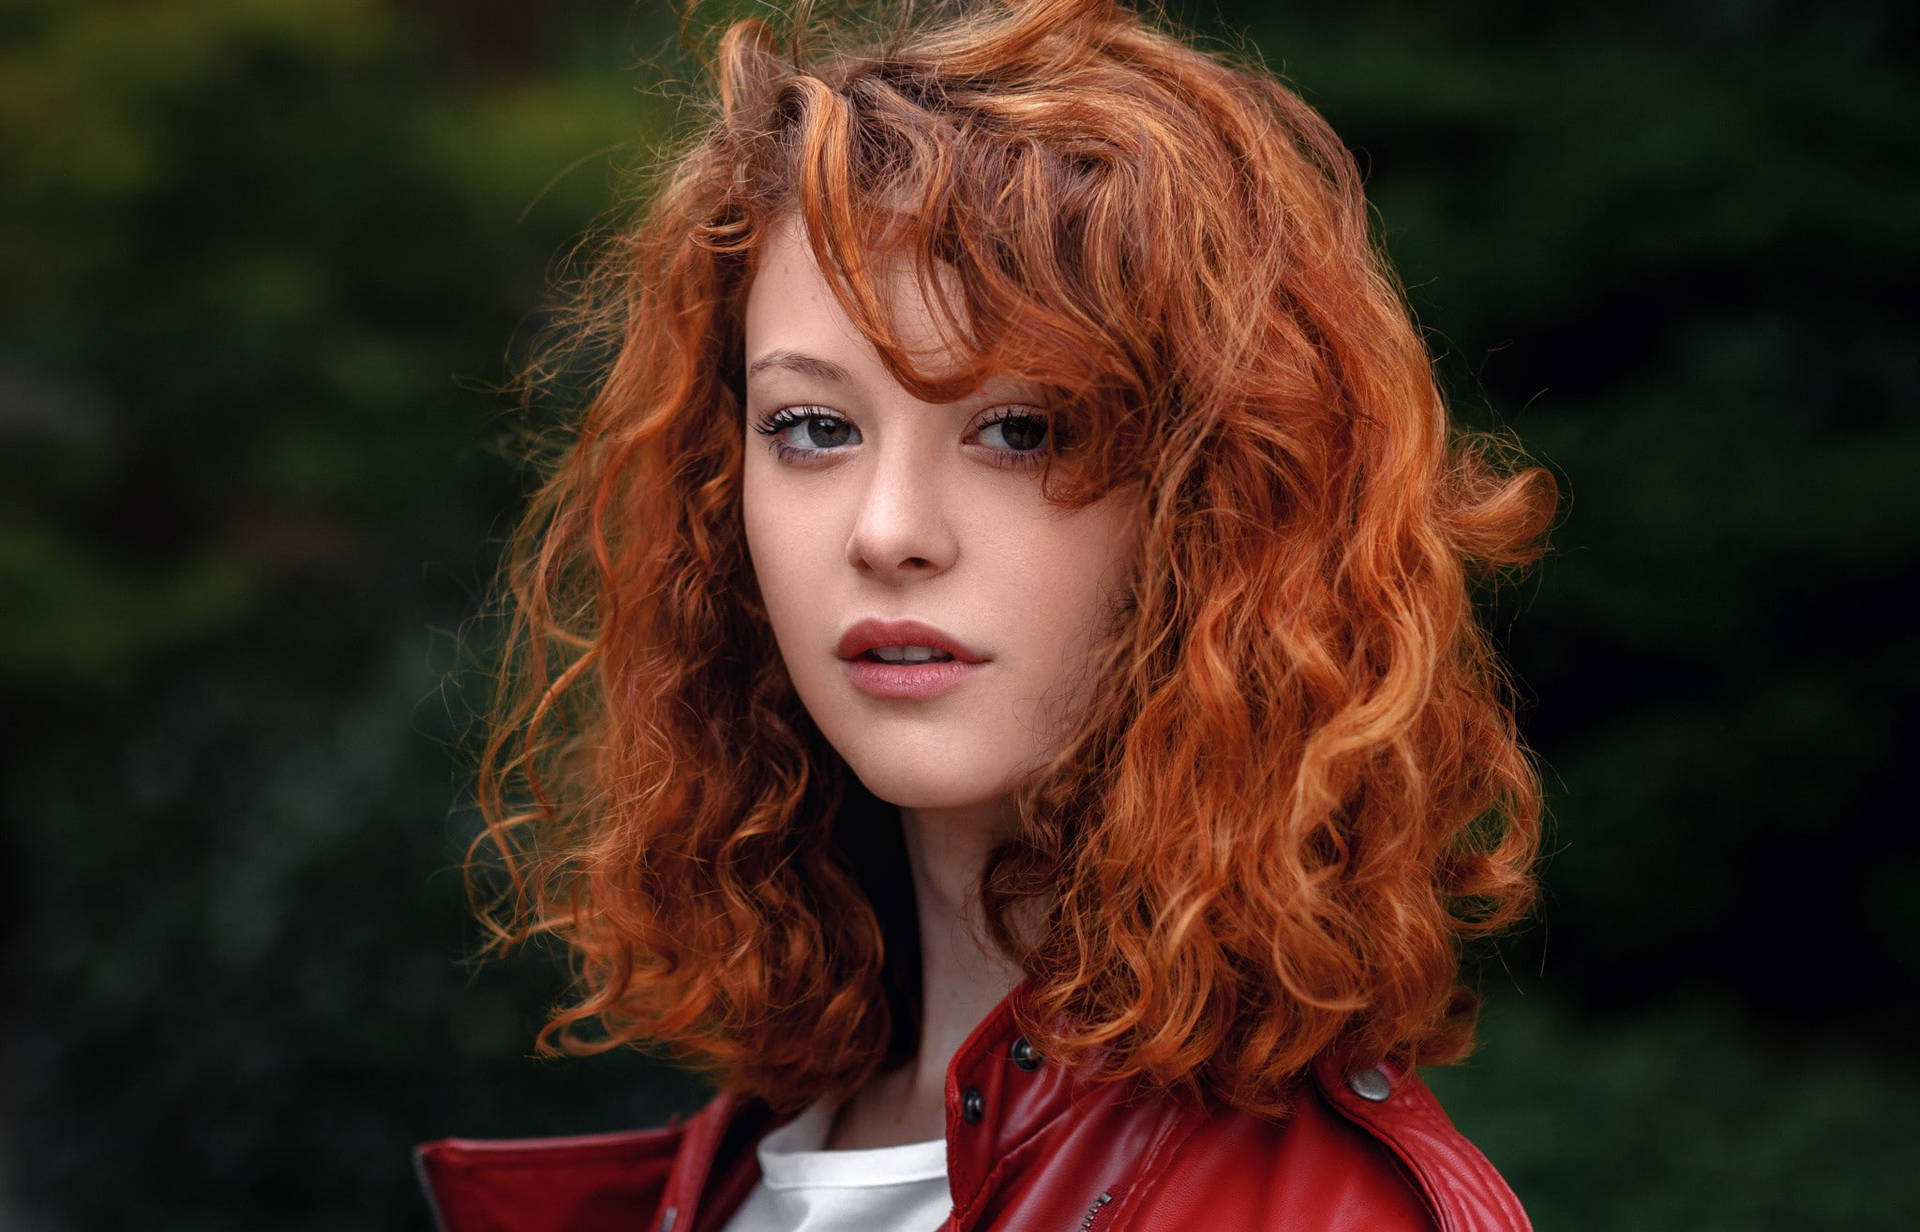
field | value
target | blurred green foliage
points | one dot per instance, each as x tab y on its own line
263	263
1683	1118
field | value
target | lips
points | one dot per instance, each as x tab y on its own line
900	682
865	635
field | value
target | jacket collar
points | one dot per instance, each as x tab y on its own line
1000	1094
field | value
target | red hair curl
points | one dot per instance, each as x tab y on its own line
1298	785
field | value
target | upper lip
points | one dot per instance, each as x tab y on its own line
866	634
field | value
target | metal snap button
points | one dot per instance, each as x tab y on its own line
1024	1056
1371	1084
973	1105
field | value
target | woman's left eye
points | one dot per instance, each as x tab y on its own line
1018	431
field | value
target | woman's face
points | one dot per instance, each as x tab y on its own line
867	508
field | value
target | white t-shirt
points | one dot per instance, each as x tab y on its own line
804	1188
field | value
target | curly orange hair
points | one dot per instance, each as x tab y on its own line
1298	786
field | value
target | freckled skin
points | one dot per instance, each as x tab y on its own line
913	519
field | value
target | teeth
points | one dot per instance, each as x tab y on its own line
909	654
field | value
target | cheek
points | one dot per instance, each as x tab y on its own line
769	553
1096	560
791	553
1070	585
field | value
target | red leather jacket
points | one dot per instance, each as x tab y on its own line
1030	1148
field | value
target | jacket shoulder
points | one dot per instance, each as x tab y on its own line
1372	1154
1459	1187
586	1183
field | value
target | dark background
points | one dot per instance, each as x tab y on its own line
262	264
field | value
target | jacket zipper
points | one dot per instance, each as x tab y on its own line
1093	1212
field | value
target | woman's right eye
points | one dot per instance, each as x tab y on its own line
800	432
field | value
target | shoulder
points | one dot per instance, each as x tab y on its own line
585	1183
1396	1110
1372	1150
546	1184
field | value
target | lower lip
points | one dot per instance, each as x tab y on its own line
907	681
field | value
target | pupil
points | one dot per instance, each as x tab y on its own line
826	433
1023	432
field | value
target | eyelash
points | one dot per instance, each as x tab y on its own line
772	424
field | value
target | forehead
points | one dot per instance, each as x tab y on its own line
791	306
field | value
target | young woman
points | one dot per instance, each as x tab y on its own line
994	679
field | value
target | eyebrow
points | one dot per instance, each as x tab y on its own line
795	361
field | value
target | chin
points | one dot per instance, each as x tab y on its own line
911	786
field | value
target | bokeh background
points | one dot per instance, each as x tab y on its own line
265	263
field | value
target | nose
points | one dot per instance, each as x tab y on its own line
902	529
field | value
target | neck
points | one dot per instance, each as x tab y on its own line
962	975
